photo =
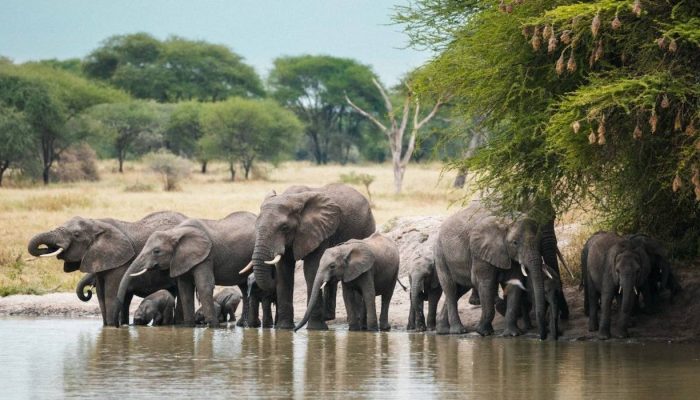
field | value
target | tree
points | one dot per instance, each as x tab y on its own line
184	130
15	138
172	70
244	130
123	123
50	98
585	103
395	129
314	88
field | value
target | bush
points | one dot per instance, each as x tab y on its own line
139	187
76	163
173	169
359	179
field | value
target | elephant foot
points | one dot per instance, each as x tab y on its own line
354	327
485	329
458	330
410	327
623	334
512	331
420	328
268	325
373	328
288	325
592	327
385	327
254	324
240	323
213	324
442	330
474	299
604	335
329	317
315	325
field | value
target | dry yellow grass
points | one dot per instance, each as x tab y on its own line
27	211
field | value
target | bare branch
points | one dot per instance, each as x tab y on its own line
387	101
366	114
428	117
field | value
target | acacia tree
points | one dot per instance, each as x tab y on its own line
184	130
313	87
15	138
585	103
246	130
395	129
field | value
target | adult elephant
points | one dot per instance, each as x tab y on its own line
473	248
300	224
105	248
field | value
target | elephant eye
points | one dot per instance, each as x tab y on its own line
76	234
156	251
284	228
331	266
515	242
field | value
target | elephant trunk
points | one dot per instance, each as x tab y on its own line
88	280
264	273
50	239
416	303
135	266
552	299
537	277
629	295
315	297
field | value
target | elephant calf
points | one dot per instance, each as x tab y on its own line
158	307
425	286
367	268
226	302
256	297
612	266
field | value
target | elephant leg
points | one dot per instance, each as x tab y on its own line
525	307
474	298
512	308
168	315
203	275
449	321
311	262
350	309
267	313
605	305
593	297
384	324
124	319
158	319
433	299
329	299
488	288
185	294
112	309
244	308
285	292
253	310
100	288
369	298
411	324
419	315
178	311
562	304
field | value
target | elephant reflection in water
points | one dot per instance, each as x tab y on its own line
272	356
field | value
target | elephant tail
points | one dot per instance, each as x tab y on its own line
87	281
405	289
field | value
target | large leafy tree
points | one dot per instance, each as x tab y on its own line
15	138
586	103
314	87
172	70
183	131
244	130
49	99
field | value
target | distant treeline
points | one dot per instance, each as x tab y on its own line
136	94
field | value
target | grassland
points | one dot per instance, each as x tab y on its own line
135	193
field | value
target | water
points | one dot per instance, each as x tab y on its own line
58	358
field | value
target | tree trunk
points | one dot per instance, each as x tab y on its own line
46	174
204	167
246	168
121	163
461	178
233	171
3	167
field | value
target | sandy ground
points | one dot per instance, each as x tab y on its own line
678	321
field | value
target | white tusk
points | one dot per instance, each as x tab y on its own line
516	282
620	291
323	284
274	260
522	268
546	272
55	253
143	271
561	258
247	268
635	291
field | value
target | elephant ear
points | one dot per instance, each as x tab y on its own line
319	219
487	242
110	249
359	260
192	248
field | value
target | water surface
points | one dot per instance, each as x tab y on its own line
57	358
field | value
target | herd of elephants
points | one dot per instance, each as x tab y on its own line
167	257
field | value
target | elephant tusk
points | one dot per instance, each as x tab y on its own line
522	268
323	284
517	283
546	272
274	260
620	291
566	267
55	253
247	268
143	271
635	291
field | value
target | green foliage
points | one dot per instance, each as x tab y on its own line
184	130
314	87
15	138
553	76
171	168
243	130
172	70
353	178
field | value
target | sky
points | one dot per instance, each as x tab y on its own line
259	30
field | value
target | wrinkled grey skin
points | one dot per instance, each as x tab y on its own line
661	275
256	298
300	224
105	248
87	280
200	253
472	248
367	268
424	286
226	303
158	307
610	264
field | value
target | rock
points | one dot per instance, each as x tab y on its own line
414	237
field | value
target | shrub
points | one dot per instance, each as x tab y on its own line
359	179
139	187
76	163
173	169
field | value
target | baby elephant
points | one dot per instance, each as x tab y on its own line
256	297
226	302
367	268
612	266
159	307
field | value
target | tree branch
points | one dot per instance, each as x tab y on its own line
366	114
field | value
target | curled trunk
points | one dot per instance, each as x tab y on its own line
88	280
315	297
47	238
263	272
